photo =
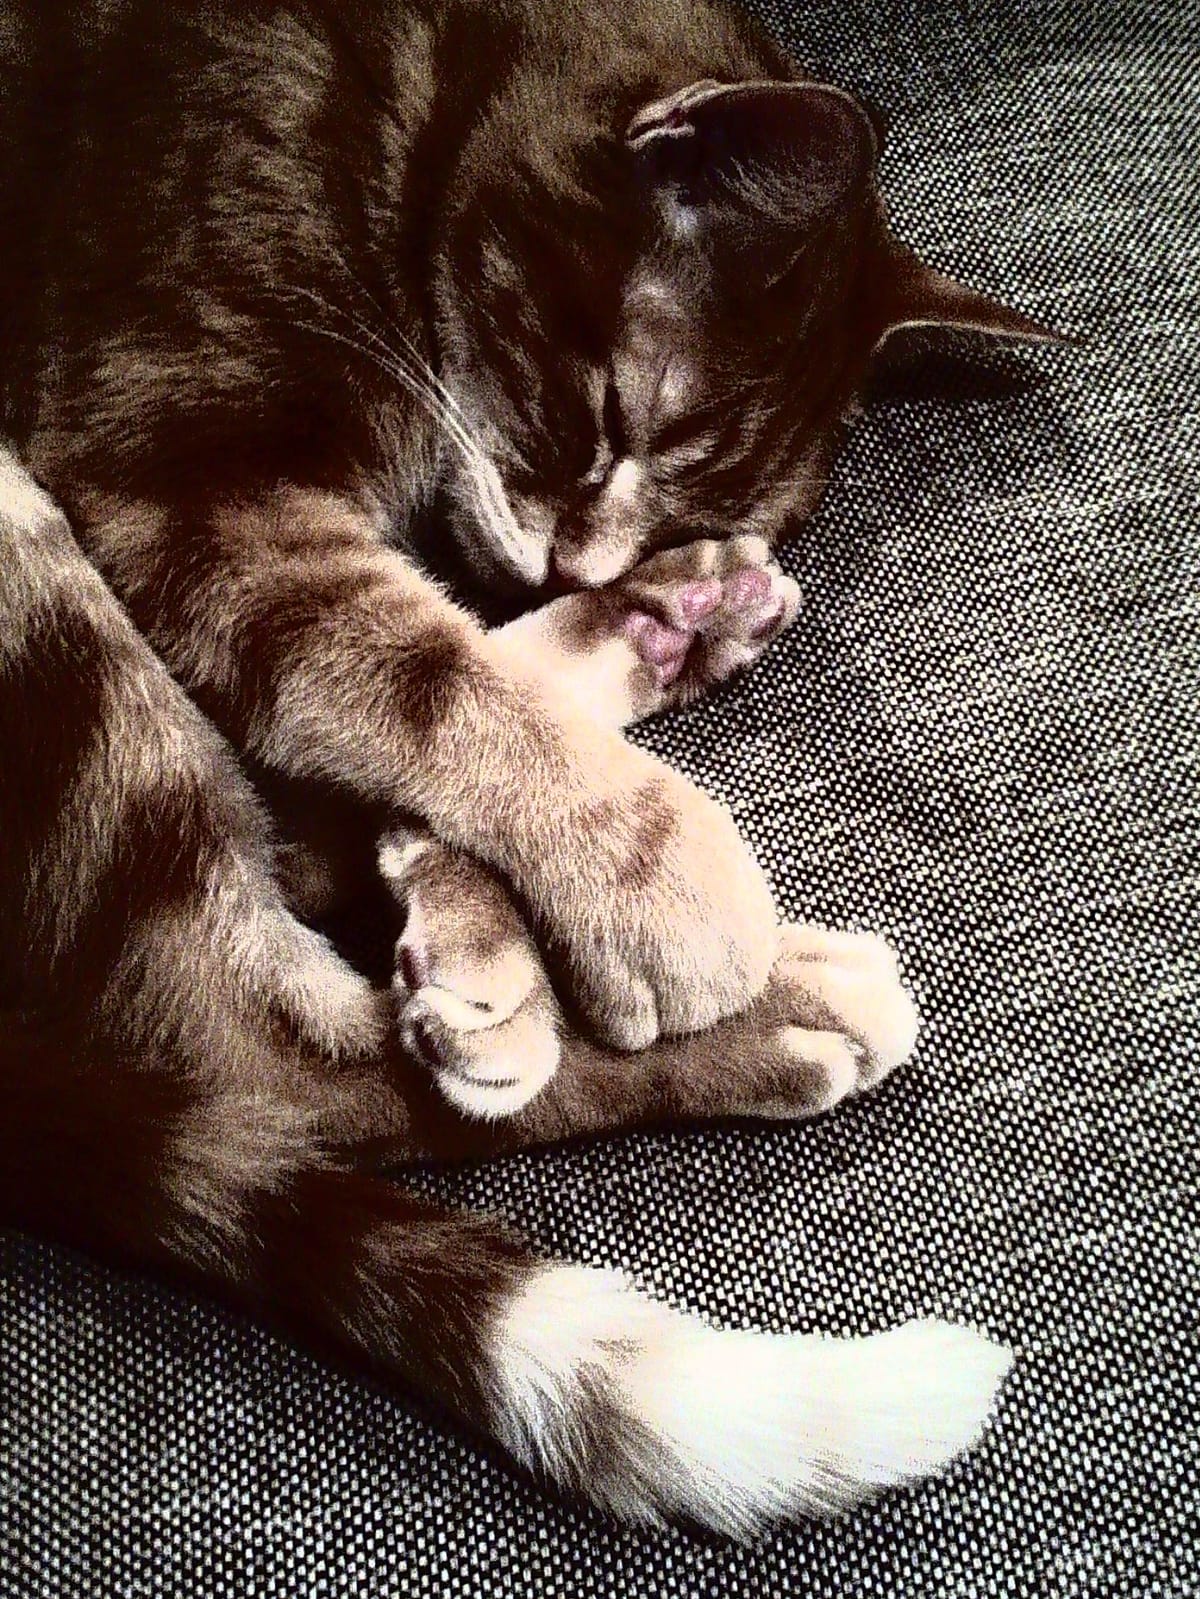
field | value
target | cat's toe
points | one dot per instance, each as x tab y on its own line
462	935
814	1070
865	951
486	1072
472	997
851	982
480	986
887	1023
759	602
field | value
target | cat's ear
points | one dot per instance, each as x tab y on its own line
915	295
753	164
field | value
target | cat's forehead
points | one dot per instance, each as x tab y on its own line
662	341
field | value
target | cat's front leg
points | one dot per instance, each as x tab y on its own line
472	998
677	624
327	656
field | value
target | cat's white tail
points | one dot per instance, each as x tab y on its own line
655	1414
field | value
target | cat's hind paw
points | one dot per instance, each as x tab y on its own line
834	1020
853	981
473	1000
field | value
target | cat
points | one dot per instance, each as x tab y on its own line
581	294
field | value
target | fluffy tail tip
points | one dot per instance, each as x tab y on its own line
656	1415
913	1399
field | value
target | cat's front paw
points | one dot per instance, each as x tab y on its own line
650	903
697	614
472	997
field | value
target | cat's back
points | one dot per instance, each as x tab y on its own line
86	86
150	147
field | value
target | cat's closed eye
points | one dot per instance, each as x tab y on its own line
612	421
690	337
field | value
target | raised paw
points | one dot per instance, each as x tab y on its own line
698	614
472	997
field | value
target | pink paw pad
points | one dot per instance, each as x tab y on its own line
747	588
700	599
654	641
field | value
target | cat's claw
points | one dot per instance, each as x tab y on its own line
472	998
700	613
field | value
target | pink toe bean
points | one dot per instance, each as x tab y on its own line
701	598
746	588
654	640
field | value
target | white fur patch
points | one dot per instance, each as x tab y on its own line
655	1413
625	482
523	551
20	497
399	852
607	557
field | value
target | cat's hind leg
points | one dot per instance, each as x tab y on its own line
650	1412
479	1009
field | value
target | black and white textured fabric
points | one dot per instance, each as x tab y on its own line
983	741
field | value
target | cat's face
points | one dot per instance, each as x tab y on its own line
655	341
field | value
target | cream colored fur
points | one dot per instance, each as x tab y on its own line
660	1415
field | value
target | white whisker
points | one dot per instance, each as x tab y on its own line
416	381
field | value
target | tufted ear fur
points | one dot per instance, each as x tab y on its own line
754	169
914	295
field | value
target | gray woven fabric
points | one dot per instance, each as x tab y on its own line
982	740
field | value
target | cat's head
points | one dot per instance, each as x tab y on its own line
653	337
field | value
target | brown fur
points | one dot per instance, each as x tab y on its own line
292	286
190	1101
